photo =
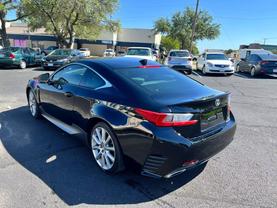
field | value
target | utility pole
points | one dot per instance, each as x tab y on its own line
194	24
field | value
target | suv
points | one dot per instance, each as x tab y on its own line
179	60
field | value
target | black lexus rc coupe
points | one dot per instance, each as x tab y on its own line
137	109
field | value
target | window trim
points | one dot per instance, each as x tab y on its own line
106	85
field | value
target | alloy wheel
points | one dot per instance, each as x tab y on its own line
23	64
253	72
32	103
103	148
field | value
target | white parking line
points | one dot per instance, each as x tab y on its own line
195	73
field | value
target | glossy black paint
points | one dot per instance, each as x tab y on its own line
140	140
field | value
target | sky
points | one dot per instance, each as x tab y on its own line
242	21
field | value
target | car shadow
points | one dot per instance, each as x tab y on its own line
248	76
65	164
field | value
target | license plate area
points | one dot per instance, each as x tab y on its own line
211	119
50	64
274	70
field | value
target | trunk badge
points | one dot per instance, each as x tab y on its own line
217	102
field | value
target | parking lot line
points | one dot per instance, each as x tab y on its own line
241	75
195	73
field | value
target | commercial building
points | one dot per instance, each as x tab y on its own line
19	35
259	46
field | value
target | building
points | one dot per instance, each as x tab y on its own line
19	35
259	46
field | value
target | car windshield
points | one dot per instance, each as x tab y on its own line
216	57
268	56
138	52
60	52
179	53
109	50
157	81
83	49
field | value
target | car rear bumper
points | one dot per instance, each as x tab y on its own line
181	67
53	65
217	70
171	156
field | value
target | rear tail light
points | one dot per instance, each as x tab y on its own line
189	59
11	56
190	163
167	119
169	58
263	62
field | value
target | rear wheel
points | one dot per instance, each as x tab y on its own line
105	149
22	64
253	72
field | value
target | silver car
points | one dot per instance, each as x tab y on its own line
179	60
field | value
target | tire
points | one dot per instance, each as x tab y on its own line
253	72
204	70
44	53
22	64
238	68
33	105
108	160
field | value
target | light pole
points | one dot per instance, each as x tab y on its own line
194	25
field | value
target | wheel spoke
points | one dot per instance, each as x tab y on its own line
110	156
103	135
107	140
98	134
95	147
107	161
98	155
102	160
110	148
96	138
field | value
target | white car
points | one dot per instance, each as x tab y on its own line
109	53
85	52
216	63
141	52
179	60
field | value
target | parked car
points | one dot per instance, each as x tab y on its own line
140	52
109	53
18	57
215	63
60	57
259	64
179	60
85	52
173	122
49	50
121	53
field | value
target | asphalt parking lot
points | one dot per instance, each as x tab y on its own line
41	166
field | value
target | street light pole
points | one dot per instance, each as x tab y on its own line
194	25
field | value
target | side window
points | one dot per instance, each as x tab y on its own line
91	80
71	74
26	51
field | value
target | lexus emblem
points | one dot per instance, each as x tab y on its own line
217	102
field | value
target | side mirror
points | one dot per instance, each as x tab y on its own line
44	77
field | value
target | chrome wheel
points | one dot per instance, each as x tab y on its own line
32	103
237	68
22	65
103	148
253	72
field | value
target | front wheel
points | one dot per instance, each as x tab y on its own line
105	149
33	105
237	68
253	72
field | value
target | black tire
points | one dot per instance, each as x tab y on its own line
44	53
36	111
253	72
22	64
118	164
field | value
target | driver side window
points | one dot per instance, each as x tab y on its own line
71	74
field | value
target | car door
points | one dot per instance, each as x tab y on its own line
58	95
26	55
200	61
251	60
89	93
33	54
243	64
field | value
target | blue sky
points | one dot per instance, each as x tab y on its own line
242	21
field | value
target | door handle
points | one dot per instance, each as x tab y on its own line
68	94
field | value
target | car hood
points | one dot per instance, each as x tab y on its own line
227	62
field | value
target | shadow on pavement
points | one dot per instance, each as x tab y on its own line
66	165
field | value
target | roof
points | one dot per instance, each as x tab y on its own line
120	62
141	48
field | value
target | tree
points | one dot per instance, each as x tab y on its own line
67	19
5	7
179	27
169	43
229	51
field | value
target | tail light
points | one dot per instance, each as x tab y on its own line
167	119
11	56
189	59
169	58
263	62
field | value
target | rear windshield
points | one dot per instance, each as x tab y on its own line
109	50
179	53
60	52
268	56
216	57
138	52
158	81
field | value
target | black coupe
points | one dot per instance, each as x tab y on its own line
137	109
